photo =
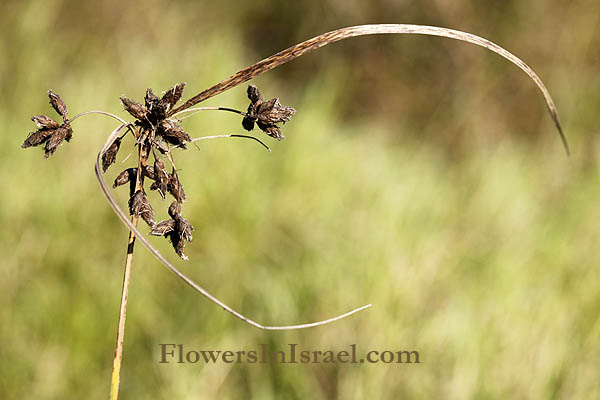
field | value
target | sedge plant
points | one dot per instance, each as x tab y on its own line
154	123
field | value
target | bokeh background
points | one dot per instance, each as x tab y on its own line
420	174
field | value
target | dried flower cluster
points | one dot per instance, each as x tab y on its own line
156	133
50	132
266	114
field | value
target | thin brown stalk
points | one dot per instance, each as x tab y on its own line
198	109
125	220
340	34
116	373
232	136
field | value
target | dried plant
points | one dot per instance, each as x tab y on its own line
158	133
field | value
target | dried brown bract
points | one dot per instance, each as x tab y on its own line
139	205
266	114
50	132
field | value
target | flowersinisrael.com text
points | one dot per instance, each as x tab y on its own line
171	353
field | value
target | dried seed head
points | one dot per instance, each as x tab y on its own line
110	155
139	205
173	133
129	175
44	122
163	228
175	187
266	114
136	110
58	104
171	97
174	209
64	132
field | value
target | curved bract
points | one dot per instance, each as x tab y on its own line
340	34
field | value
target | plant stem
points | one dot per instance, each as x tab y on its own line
116	373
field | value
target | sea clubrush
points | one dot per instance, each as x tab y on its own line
157	132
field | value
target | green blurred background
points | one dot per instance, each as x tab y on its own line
420	174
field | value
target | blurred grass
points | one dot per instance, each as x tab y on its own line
420	175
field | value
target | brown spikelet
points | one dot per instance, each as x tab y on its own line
175	187
110	155
273	112
37	138
171	97
183	228
129	175
136	110
173	133
45	122
174	209
139	205
58	104
163	228
148	171
178	245
64	132
150	99
161	178
266	114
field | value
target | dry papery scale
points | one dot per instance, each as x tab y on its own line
157	132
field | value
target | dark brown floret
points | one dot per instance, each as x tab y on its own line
178	245
110	155
163	228
174	209
175	187
136	110
64	132
148	171
58	104
161	178
37	138
45	122
171	97
129	175
173	133
139	205
183	228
